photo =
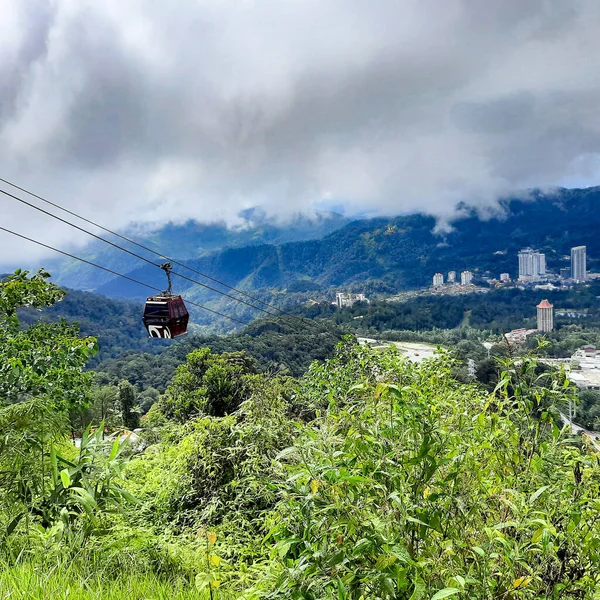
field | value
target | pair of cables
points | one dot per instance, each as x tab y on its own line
248	299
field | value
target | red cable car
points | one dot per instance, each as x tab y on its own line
165	315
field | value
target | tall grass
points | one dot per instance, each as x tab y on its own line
70	581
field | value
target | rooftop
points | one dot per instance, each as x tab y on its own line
545	304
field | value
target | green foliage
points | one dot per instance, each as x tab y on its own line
218	469
95	572
82	490
368	478
207	384
41	384
19	291
103	407
275	345
588	409
43	360
116	324
129	409
415	486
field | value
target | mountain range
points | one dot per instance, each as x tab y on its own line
377	255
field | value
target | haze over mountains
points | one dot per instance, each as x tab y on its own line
188	241
377	255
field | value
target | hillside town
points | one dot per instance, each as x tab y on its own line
532	274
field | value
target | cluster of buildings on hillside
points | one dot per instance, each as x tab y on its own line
466	278
532	269
532	265
584	368
343	299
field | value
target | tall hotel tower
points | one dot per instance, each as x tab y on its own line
578	267
545	316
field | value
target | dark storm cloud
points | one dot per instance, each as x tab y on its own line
135	111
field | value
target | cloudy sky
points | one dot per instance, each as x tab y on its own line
146	111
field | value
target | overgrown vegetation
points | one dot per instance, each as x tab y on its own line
366	478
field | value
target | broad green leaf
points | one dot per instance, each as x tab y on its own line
64	477
419	589
445	593
537	536
341	590
13	524
537	494
521	582
115	449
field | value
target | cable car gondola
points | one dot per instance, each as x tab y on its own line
165	315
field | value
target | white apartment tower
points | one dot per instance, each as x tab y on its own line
545	316
578	266
466	277
451	276
532	265
438	280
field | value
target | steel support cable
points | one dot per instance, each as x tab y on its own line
88	262
148	249
134	254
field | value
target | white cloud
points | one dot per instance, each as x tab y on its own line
136	111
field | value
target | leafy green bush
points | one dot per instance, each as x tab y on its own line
207	384
414	486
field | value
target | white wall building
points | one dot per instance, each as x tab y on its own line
342	299
466	277
504	277
451	276
532	265
578	263
438	280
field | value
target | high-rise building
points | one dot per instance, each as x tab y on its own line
451	276
565	272
532	265
438	280
466	277
545	316
578	266
504	277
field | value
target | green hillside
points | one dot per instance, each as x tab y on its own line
391	254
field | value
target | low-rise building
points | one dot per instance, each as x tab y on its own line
504	277
518	336
343	299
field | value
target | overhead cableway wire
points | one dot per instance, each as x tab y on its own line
148	249
134	254
83	260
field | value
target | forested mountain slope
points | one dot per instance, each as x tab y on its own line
126	352
116	323
188	241
402	252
